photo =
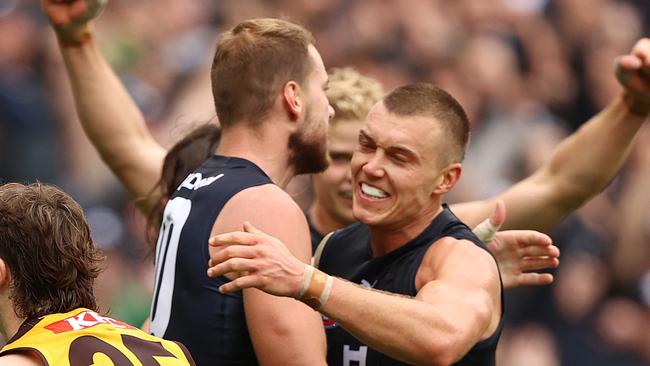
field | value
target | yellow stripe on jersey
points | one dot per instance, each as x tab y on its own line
82	337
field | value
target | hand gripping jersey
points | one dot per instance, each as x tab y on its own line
187	306
82	337
347	254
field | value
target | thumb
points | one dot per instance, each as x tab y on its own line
486	230
498	216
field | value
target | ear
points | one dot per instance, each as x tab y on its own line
292	98
5	275
448	178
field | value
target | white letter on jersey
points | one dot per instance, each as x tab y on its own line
195	181
359	356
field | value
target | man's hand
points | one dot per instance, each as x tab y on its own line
255	259
70	17
518	252
633	72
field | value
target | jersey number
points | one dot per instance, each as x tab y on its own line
83	351
174	217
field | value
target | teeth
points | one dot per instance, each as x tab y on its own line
372	191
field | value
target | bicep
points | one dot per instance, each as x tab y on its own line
283	330
464	284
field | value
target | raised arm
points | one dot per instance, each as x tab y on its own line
458	301
109	116
283	331
584	163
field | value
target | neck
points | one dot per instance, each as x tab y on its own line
266	146
384	240
323	221
8	318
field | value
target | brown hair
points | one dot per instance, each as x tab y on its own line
183	158
252	62
45	242
351	94
427	100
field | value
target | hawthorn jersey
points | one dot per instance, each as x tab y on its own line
82	337
187	306
347	254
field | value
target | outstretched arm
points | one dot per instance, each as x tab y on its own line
109	116
584	163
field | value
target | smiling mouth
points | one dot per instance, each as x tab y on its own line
373	192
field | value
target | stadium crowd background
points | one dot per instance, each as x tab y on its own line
528	72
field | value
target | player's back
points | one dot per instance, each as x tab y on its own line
82	337
187	305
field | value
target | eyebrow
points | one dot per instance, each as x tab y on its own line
395	149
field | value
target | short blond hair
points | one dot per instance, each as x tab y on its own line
351	94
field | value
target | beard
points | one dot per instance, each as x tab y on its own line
308	155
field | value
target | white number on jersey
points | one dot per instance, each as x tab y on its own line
174	217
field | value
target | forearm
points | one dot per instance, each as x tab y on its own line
407	329
110	118
587	161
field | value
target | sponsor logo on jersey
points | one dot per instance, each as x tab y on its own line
329	323
195	181
84	320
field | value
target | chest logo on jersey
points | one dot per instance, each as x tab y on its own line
84	320
195	181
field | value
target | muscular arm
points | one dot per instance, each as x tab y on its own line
448	316
581	166
283	330
584	163
109	116
458	301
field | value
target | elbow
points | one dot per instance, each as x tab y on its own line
443	352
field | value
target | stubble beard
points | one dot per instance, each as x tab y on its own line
308	155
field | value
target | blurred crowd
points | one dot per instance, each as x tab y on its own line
528	72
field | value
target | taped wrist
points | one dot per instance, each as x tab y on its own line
74	35
316	288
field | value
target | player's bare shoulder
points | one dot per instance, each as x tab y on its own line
450	256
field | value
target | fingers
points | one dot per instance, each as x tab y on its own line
539	251
527	238
535	279
233	238
239	284
642	50
232	265
222	254
536	264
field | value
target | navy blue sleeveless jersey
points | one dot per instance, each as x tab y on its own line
187	306
347	254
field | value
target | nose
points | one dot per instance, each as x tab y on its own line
330	112
374	166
